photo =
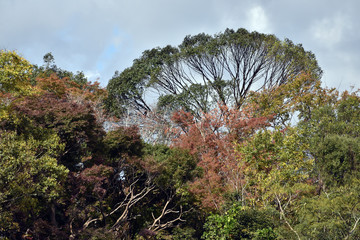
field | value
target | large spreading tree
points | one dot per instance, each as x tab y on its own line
205	70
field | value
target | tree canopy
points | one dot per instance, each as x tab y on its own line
205	70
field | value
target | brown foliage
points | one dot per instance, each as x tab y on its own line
90	94
74	123
211	138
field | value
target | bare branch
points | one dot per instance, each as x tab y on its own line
282	213
157	225
131	198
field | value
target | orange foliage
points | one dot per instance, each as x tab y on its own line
89	93
64	86
211	138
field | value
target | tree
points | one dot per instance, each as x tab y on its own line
138	189
30	180
334	214
94	181
49	124
60	106
15	73
277	168
332	134
49	67
74	123
205	70
331	131
239	222
293	100
212	138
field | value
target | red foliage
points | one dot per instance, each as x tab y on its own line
95	180
211	138
88	194
90	94
65	87
74	123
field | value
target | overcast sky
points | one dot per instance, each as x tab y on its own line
102	36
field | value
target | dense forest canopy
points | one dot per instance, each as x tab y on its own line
216	156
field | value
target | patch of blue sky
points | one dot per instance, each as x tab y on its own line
108	53
116	45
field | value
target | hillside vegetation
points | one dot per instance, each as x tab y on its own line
241	141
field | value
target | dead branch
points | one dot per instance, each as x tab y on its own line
130	199
282	213
157	225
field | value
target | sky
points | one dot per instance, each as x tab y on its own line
100	37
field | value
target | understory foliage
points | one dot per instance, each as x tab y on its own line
258	150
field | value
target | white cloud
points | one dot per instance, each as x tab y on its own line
257	20
101	36
92	75
331	31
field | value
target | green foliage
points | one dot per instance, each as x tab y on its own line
240	223
30	178
265	233
298	96
276	168
183	233
124	141
15	73
332	215
338	159
177	166
276	164
205	70
97	234
332	133
128	87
